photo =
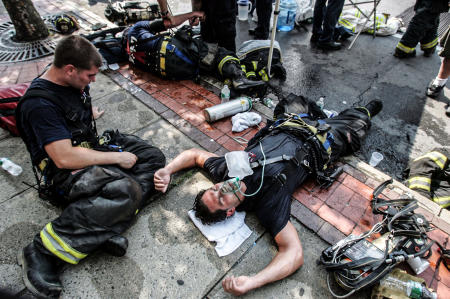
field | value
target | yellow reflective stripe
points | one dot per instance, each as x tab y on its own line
162	59
263	75
224	60
420	182
436	157
431	44
405	48
255	65
63	244
250	74
58	252
137	211
444	201
243	68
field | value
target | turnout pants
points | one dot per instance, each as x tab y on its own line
220	23
422	28
101	202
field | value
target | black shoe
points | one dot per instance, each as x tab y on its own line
434	90
314	38
447	111
251	31
39	272
401	54
374	107
116	246
331	45
429	52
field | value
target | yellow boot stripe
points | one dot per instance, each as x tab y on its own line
224	60
444	201
405	48
419	182
429	45
58	247
436	157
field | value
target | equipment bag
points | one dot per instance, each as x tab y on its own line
254	55
9	98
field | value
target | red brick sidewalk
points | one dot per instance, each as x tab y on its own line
333	214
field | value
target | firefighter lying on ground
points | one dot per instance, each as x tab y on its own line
283	155
78	170
179	56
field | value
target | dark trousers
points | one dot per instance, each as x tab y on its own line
326	16
220	23
422	28
101	202
263	11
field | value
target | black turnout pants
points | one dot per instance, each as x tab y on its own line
101	202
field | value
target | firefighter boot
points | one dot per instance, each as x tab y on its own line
116	246
374	107
402	54
40	272
232	70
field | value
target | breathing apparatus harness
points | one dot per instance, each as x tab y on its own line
356	262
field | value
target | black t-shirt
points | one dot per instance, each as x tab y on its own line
272	203
42	121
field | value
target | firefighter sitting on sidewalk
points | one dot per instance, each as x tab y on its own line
282	156
101	182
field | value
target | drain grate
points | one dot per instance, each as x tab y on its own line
11	51
444	19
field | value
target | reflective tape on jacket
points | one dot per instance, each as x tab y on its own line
429	45
420	182
225	60
162	59
58	247
436	157
405	48
444	201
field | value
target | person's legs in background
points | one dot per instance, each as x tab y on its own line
263	11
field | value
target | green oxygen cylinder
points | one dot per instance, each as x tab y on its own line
240	104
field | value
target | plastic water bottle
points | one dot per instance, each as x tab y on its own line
410	288
321	103
286	18
225	94
10	166
268	103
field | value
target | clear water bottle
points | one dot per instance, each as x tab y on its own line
286	18
268	103
410	288
225	94
10	166
321	102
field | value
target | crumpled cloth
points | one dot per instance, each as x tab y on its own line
228	234
242	121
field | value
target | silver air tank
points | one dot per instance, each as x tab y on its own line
232	107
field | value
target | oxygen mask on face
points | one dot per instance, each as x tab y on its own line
232	185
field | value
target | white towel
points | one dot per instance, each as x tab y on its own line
228	234
242	121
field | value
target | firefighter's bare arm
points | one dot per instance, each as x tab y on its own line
187	159
179	19
66	156
287	260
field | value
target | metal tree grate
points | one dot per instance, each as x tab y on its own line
11	51
444	19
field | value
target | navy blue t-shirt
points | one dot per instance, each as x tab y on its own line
272	203
42	121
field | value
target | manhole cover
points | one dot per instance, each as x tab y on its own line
11	51
444	19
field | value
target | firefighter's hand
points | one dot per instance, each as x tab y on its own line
126	159
238	285
161	179
96	112
196	17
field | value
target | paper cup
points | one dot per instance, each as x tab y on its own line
375	159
